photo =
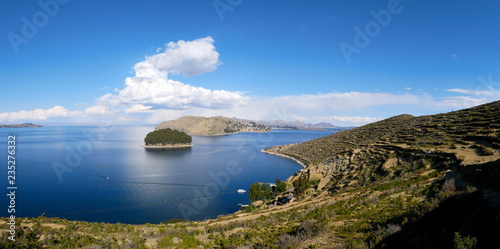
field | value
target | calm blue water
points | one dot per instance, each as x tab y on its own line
105	176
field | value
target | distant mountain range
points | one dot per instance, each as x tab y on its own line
300	125
25	125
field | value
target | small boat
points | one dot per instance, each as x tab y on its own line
241	191
107	178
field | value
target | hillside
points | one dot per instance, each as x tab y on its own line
439	162
213	126
469	128
404	182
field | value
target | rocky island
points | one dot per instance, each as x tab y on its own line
167	139
213	126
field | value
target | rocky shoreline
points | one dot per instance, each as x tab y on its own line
161	147
285	156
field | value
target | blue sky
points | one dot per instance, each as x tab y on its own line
87	62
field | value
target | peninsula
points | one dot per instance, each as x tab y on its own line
213	126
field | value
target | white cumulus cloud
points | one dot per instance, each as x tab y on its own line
190	58
138	109
351	120
171	94
151	86
481	95
346	101
39	114
299	118
98	110
491	92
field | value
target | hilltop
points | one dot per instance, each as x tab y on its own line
404	182
25	125
213	126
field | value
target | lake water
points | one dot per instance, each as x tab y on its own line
104	175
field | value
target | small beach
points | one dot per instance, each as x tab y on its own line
285	156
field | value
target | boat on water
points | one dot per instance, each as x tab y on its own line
241	191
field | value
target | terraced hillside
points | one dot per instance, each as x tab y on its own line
398	144
479	124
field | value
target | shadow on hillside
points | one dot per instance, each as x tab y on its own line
468	213
487	176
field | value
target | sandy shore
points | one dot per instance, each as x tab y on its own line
285	156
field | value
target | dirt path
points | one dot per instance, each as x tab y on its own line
317	201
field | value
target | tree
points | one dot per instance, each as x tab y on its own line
267	193
255	192
301	185
280	186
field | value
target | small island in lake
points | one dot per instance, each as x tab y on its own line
25	125
167	139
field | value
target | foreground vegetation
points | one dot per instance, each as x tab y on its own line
405	182
421	212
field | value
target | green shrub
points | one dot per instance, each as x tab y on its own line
287	241
250	208
485	151
464	242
